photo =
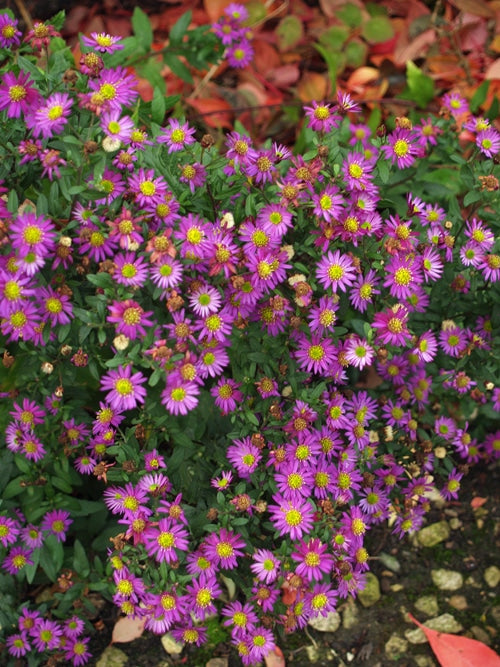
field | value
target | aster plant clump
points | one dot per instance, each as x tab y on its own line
224	364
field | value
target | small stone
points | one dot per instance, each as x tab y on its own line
395	646
492	576
458	602
415	636
427	604
390	562
112	657
444	623
170	645
424	661
312	653
395	588
350	615
447	580
480	634
472	581
455	523
433	534
371	592
495	614
328	623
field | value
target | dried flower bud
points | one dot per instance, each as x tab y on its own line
111	144
121	342
404	123
90	147
129	466
207	141
323	151
212	514
47	368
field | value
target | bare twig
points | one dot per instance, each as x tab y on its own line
24	13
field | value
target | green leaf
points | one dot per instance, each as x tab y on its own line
179	28
472	197
158	106
100	279
142	28
377	29
479	96
178	67
51	557
289	32
350	14
61	484
13	488
30	570
421	87
80	560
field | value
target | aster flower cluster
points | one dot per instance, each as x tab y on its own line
254	356
235	36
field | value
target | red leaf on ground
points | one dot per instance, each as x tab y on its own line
127	629
456	651
275	658
477	502
215	112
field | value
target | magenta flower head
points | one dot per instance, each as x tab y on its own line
176	135
321	117
32	234
17	94
49	119
101	41
9	34
16	560
223	548
240	54
336	271
293	518
57	522
391	325
125	390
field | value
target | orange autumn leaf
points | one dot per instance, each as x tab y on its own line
477	502
456	651
216	112
275	658
312	86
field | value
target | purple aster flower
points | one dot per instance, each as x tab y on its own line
130	318
402	148
9	530
85	464
166	273
373	500
315	355
176	135
130	270
31	446
426	346
244	456
223	548
336	270
266	566
126	500
16	560
180	396
261	642
275	219
91	64
116	126
215	327
321	117
453	340
313	561
31	536
358	352
10	36
490	267
455	103
263	168
101	41
17	644
46	635
241	617
427	132
194	233
161	541
239	149
479	233
292	518
227	395
49	119
124	389
54	307
75	650
17	94
201	593
265	596
57	522
488	142
239	54
294	480
113	89
328	204
391	325
194	175
32	234
147	188
357	171
321	600
190	634
402	275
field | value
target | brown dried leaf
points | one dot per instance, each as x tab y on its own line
312	86
275	658
415	49
476	7
127	629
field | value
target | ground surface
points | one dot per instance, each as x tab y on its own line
471	548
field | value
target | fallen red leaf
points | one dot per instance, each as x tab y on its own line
456	651
477	502
275	658
127	629
216	112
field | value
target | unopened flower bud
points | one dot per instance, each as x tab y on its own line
111	144
121	342
47	367
207	141
90	147
66	350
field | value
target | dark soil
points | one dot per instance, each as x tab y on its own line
472	547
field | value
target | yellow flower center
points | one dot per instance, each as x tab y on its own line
132	316
53	305
107	91
402	276
178	135
17	93
321	113
355	170
128	270
125	587
401	147
194	235
12	290
55	112
293	517
166	540
124	387
224	550
178	394
394	325
18	319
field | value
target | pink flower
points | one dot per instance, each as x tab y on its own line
125	390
